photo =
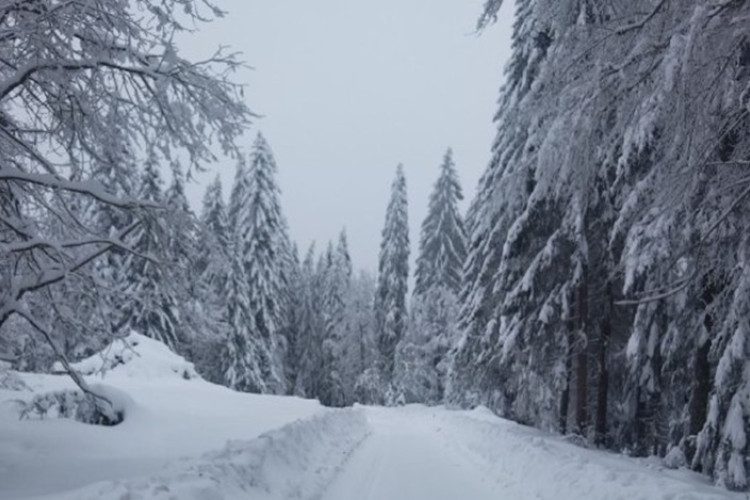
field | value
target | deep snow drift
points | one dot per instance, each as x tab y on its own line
184	438
171	417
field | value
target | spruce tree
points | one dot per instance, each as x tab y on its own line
611	221
213	262
393	275
260	252
421	356
307	348
150	306
442	244
212	268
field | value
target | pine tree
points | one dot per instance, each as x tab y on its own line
307	351
294	316
212	266
609	221
421	355
150	305
361	345
213	262
261	248
393	274
442	244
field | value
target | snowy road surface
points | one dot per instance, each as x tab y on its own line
418	453
407	457
186	439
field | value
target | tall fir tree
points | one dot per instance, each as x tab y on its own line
393	276
212	268
421	361
150	304
307	348
213	262
605	276
337	287
260	252
442	244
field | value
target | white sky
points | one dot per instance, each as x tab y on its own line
348	90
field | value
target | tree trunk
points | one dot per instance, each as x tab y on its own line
565	398
603	386
700	390
582	361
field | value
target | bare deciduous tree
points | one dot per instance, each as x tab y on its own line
89	92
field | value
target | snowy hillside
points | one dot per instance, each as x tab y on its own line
184	438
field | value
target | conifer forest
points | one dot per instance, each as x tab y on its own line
594	285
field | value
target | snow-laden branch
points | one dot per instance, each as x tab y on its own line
90	188
102	404
640	24
54	275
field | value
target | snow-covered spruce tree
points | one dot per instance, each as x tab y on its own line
324	326
334	270
442	244
341	326
307	348
510	223
393	274
151	303
356	344
260	251
421	354
294	317
83	87
608	227
201	312
360	350
212	268
213	262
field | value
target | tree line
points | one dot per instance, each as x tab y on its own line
605	292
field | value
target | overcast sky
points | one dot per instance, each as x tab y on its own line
350	89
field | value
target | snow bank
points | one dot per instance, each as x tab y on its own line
528	463
295	461
135	356
170	413
132	357
111	410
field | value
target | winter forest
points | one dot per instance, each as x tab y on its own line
597	288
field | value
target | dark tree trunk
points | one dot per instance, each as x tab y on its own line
565	398
701	388
603	386
582	360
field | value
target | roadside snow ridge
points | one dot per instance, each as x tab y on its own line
298	460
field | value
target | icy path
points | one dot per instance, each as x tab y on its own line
407	457
416	453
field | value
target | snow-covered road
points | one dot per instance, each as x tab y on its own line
186	439
407	457
419	453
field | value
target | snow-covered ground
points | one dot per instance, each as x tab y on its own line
188	439
171	417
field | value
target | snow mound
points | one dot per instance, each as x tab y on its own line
298	460
675	458
135	356
10	380
74	404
